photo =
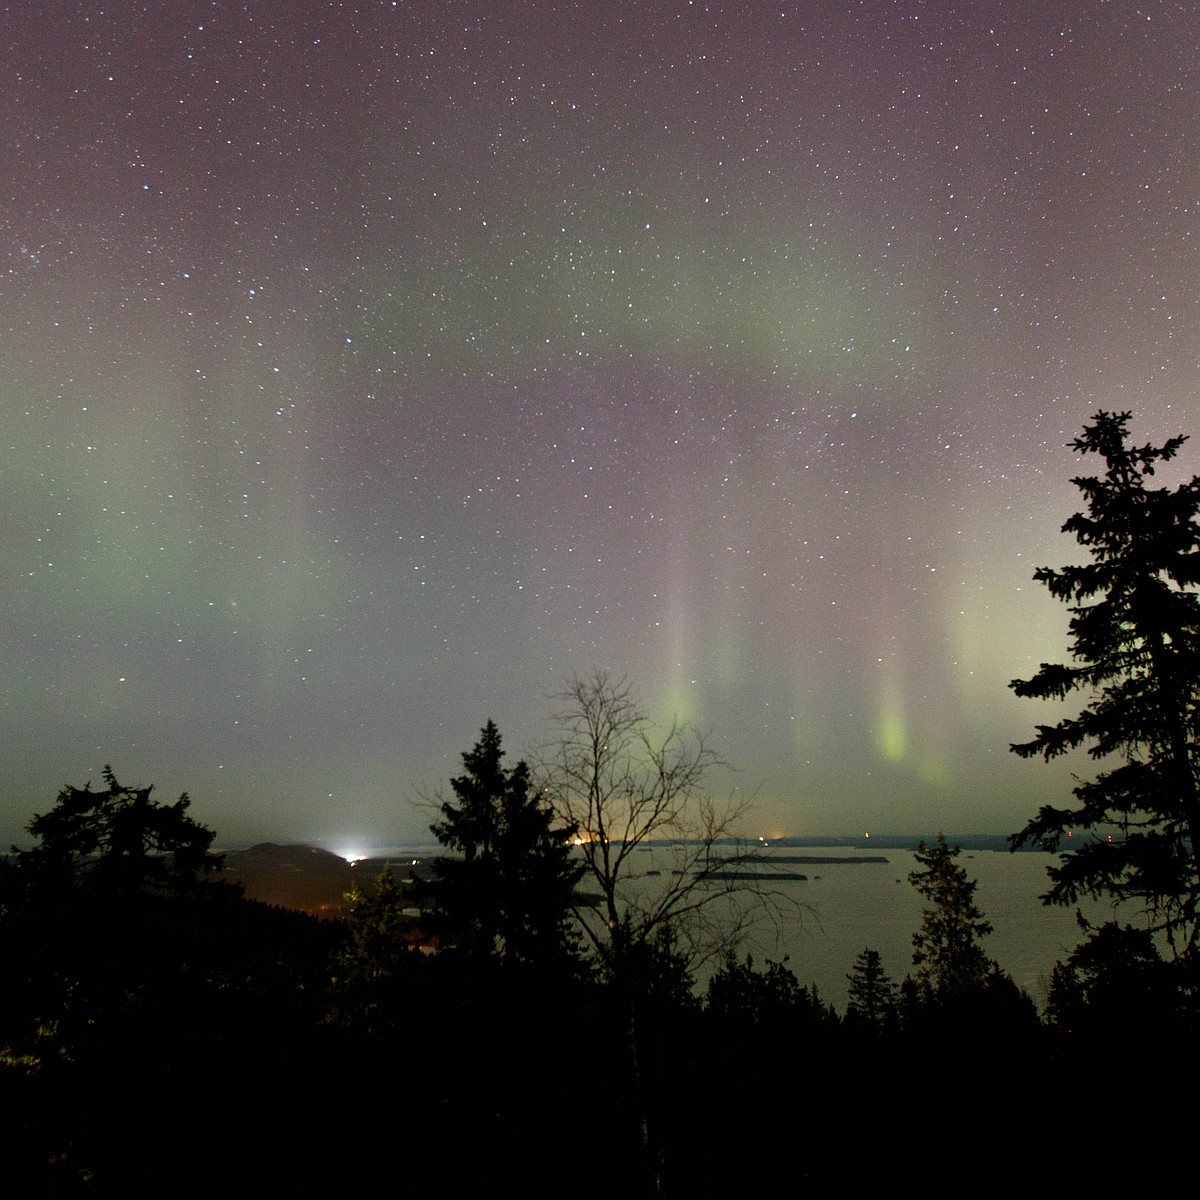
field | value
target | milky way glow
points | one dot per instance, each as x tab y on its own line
370	370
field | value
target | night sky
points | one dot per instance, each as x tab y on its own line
368	370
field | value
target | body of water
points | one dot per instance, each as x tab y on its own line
849	906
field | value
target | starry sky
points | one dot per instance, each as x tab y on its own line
370	370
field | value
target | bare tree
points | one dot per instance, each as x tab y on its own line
675	885
659	849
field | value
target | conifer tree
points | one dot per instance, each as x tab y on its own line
946	949
1135	630
510	893
873	1004
120	842
1116	980
381	936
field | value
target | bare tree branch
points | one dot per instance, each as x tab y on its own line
657	847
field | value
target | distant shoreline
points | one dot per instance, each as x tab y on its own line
859	842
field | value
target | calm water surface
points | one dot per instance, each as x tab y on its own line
850	906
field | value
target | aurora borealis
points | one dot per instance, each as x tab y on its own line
370	369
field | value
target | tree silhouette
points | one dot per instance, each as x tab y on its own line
659	849
120	841
664	858
1116	981
752	1006
874	1003
1135	630
510	894
129	972
946	949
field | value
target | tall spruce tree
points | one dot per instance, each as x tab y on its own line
946	949
510	893
1135	630
874	1003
